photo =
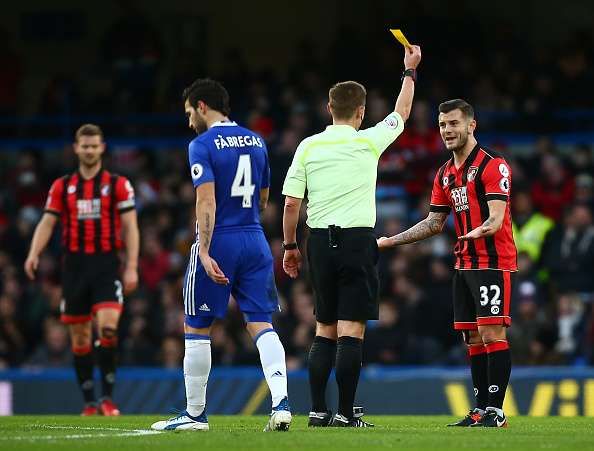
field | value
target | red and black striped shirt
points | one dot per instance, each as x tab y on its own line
484	176
90	210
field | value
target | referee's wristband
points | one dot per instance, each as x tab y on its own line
289	246
412	73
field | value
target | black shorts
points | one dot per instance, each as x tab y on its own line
482	297
344	278
89	283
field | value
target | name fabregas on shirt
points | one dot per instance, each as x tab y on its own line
221	142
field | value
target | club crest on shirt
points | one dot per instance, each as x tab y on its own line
471	173
105	190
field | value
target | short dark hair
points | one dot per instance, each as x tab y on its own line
457	104
345	98
88	130
210	92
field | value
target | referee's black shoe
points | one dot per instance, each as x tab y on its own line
319	419
340	421
473	417
491	419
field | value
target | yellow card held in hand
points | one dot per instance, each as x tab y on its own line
400	36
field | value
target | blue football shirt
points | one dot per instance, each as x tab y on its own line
236	160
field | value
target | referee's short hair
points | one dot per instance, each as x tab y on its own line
210	92
345	98
457	104
88	130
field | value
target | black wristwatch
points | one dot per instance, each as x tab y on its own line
289	246
412	73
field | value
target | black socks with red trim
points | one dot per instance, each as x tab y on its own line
499	363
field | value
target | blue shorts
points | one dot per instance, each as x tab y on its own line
246	260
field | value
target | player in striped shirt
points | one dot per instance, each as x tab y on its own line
476	184
97	214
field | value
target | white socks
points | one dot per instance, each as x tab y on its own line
272	356
197	361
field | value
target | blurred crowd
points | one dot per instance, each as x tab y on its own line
553	319
552	194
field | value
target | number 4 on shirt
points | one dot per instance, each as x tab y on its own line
242	183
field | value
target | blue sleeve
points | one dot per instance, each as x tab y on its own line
265	182
200	164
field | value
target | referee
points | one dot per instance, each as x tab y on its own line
338	168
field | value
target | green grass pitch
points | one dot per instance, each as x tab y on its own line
245	433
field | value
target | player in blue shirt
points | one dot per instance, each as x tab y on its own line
230	171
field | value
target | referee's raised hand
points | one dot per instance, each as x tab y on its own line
292	262
412	57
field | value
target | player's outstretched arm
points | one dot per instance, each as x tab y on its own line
493	223
292	257
412	58
431	225
41	237
205	216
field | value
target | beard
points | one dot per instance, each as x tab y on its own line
200	126
90	161
462	140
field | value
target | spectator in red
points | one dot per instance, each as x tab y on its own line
555	188
155	261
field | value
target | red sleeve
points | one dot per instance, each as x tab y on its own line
54	203
440	203
497	179
124	194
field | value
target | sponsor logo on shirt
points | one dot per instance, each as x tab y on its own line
391	121
460	199
88	208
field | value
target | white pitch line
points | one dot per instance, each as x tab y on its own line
118	433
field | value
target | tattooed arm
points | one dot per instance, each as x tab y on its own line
205	217
493	223
431	225
264	193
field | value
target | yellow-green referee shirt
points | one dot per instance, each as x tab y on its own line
338	167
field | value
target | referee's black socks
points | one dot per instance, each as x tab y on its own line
499	358
349	356
321	359
83	366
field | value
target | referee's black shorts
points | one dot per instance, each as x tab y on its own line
343	272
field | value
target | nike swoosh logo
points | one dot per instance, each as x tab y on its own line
500	423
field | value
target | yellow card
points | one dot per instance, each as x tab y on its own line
400	36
